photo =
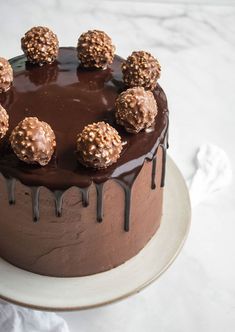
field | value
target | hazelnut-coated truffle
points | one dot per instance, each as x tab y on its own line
98	145
6	75
4	122
40	45
141	69
33	141
136	109
95	49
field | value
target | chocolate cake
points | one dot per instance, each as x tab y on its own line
83	138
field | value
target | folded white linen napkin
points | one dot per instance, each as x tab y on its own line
213	173
17	319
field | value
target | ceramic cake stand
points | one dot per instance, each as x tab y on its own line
49	293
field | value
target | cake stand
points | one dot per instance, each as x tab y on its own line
62	294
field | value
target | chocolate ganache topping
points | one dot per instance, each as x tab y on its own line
68	98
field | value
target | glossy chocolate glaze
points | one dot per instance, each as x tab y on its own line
68	98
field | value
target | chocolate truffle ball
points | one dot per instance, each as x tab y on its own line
98	145
136	109
141	69
95	49
40	45
6	75
4	122
33	141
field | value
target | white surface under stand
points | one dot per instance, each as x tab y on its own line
53	294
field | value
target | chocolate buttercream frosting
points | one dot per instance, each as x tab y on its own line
69	101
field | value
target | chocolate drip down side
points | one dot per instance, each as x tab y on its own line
154	165
164	146
10	184
68	98
35	194
58	194
99	207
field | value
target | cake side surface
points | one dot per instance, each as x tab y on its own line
76	244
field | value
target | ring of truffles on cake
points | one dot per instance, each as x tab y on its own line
82	131
99	145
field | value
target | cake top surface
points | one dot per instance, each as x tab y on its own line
69	97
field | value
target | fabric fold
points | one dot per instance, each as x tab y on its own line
213	173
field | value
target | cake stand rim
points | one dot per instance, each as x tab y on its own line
130	293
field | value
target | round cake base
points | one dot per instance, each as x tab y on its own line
66	294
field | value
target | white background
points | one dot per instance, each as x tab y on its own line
196	46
